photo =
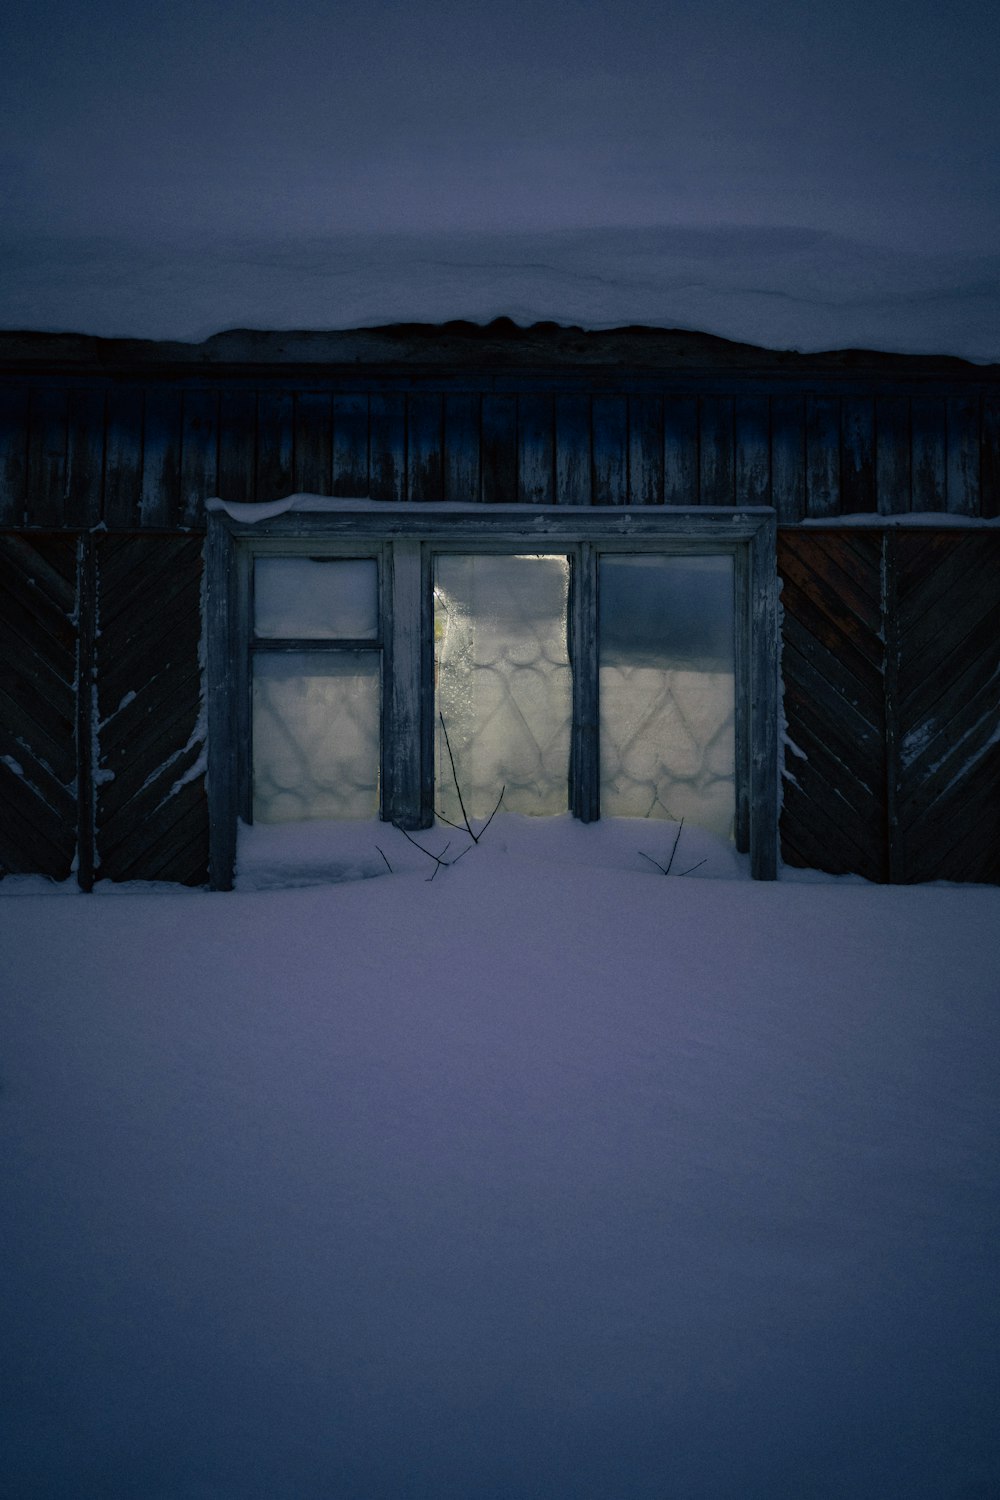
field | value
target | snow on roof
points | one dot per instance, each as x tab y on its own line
776	288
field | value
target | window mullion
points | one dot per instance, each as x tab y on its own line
585	776
402	710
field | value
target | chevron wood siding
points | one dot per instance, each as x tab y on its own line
834	811
38	704
944	635
891	667
151	812
146	455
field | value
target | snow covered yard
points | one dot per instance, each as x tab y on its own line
550	1177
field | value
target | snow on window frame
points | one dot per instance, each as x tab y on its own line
403	540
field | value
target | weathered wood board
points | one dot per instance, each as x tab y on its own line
891	670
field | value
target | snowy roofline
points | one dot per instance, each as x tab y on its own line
498	343
250	513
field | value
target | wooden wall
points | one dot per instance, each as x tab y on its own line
891	668
101	744
81	452
891	645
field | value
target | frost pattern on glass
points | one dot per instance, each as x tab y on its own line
503	682
322	598
315	735
667	689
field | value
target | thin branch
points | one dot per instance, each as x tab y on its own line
493	814
666	868
463	828
458	789
438	858
677	839
387	864
442	819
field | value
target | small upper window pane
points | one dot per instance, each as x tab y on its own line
316	598
667	611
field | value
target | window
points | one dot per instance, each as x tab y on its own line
608	662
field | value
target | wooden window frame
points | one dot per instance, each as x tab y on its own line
404	541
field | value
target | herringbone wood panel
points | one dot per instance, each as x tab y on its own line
946	636
152	817
38	667
891	665
834	808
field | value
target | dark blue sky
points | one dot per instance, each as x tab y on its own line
877	120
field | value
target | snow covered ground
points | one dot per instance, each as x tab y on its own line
549	1177
777	287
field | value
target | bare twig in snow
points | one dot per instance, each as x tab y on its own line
665	869
677	839
465	827
458	789
493	814
439	859
387	864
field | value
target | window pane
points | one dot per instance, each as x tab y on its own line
667	689
314	596
503	682
315	735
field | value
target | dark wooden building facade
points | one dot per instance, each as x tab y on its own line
890	622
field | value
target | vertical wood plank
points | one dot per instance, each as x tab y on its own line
387	446
275	445
574	482
680	450
47	453
742	706
499	449
857	456
822	456
762	691
584	760
238	444
221	701
199	455
535	449
86	670
160	502
892	455
964	447
928	441
716	450
990	478
610	447
13	455
462	438
351	475
645	450
788	458
313	446
85	456
402	770
752	419
890	676
425	446
123	457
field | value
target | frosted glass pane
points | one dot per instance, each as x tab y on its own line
503	681
315	735
325	598
667	689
